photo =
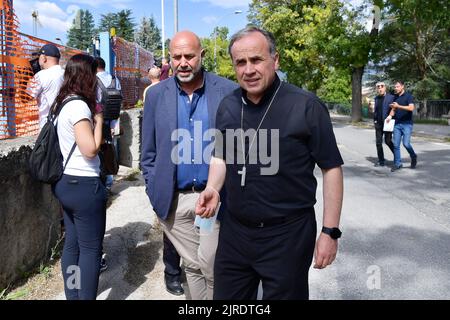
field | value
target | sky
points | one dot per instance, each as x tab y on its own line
199	16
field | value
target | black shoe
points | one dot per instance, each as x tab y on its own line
395	168
174	287
413	163
379	164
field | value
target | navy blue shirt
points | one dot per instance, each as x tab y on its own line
404	116
193	122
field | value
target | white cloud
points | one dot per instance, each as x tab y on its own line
227	3
50	15
210	19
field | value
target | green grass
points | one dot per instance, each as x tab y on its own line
16	295
132	175
429	121
4	295
43	270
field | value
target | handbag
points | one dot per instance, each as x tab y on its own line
108	157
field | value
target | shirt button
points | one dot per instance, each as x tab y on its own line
192	139
190	120
195	180
192	160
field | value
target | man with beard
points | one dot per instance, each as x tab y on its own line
175	161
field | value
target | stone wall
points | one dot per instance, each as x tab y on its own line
130	140
29	214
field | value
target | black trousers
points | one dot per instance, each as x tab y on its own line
171	259
280	256
379	141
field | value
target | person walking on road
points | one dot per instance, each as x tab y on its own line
381	112
402	112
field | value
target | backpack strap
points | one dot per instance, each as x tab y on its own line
55	110
113	82
55	114
70	154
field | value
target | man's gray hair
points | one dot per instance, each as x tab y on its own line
250	29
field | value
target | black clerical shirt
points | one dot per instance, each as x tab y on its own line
306	138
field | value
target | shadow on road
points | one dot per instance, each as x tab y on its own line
413	263
131	252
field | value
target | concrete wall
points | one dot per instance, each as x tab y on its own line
129	144
29	214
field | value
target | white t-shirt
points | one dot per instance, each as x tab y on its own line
78	165
106	79
45	88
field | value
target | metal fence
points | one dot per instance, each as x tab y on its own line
424	110
131	65
432	109
19	113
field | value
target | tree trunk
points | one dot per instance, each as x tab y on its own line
357	73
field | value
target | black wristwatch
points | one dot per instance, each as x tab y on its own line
334	233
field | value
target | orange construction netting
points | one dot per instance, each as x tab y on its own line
132	63
19	112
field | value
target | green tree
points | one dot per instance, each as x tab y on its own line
352	50
416	46
219	40
122	21
82	30
336	87
148	35
302	29
316	38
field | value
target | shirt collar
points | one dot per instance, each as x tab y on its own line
200	90
267	94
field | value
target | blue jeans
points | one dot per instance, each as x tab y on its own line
402	131
84	202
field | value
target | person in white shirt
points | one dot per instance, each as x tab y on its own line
80	190
110	132
153	74
46	83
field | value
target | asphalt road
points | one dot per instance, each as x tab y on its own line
396	226
396	230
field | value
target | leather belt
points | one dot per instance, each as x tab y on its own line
193	189
273	221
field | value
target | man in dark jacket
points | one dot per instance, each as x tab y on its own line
381	112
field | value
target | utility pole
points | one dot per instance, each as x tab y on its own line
163	39
215	36
175	16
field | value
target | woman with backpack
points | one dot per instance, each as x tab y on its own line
80	190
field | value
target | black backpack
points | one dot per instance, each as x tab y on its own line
111	100
46	160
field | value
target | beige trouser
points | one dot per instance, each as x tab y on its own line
197	250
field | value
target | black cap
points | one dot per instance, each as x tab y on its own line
49	50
